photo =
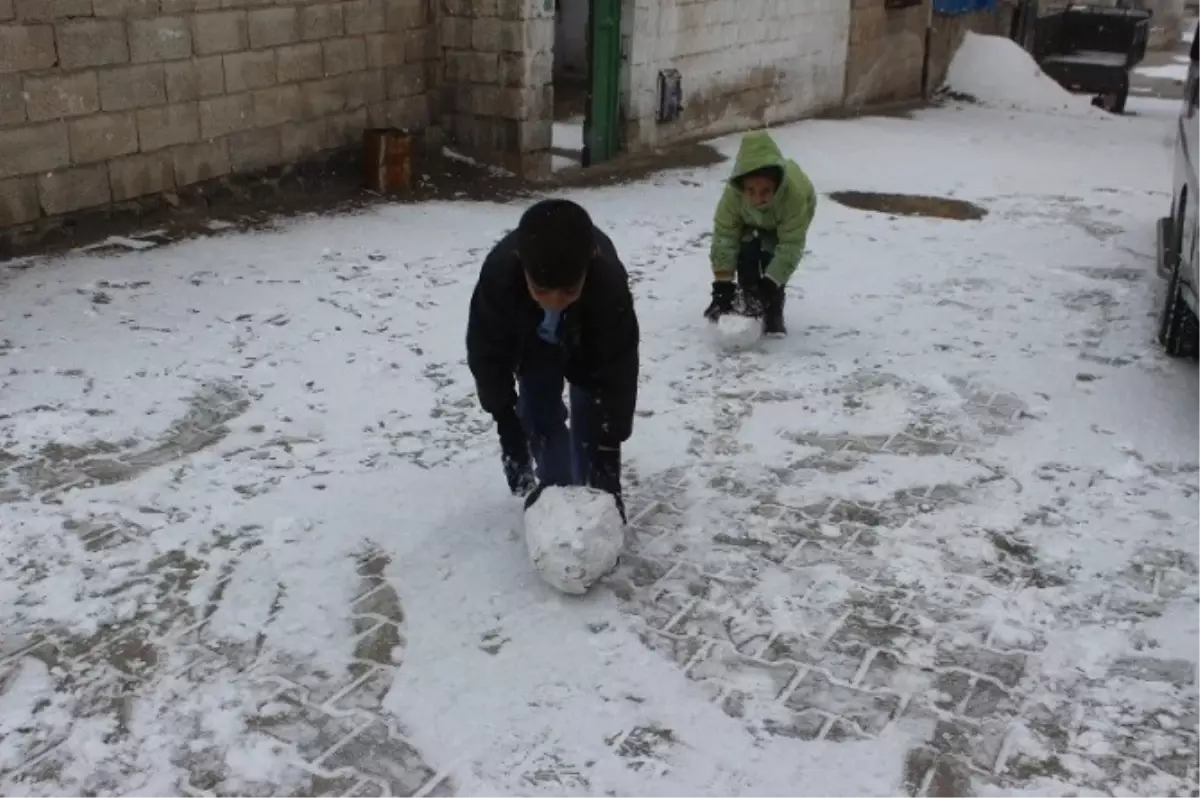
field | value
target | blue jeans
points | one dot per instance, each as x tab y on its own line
561	454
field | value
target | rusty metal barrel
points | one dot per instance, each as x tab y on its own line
387	159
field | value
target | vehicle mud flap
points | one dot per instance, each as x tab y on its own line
1164	260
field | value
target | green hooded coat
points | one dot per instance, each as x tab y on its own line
787	215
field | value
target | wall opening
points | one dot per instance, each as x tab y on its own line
570	83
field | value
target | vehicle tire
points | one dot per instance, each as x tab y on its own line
1114	101
1178	328
1122	96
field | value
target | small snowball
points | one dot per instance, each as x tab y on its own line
734	331
574	535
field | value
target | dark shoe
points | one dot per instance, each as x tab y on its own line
723	293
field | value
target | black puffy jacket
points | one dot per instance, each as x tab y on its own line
598	337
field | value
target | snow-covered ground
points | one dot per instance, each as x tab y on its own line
940	540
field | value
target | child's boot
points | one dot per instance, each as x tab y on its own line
773	313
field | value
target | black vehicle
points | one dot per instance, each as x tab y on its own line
1178	236
1091	49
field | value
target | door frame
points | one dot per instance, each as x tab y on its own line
602	134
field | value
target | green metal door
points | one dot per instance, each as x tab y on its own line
602	127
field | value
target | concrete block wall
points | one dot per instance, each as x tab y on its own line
949	31
104	101
887	53
744	63
1166	24
496	82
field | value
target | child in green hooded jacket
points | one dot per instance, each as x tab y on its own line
759	232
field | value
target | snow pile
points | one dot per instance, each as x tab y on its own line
996	72
734	331
574	536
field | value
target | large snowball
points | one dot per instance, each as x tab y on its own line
735	331
574	536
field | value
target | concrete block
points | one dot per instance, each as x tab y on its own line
385	50
528	69
406	81
276	106
304	139
299	62
364	88
197	162
456	33
511	36
62	95
168	125
139	175
18	201
410	113
344	55
347	129
489	100
485	34
254	69
515	9
132	87
194	80
34	148
74	189
220	32
44	10
321	21
539	36
101	137
159	39
322	97
252	150
419	45
12	101
220	116
456	65
365	16
536	134
26	47
273	27
125	9
405	15
91	42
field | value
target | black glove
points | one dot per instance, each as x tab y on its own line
514	454
604	473
723	293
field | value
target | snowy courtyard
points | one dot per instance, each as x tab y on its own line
941	540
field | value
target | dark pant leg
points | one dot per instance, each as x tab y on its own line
752	262
543	417
581	434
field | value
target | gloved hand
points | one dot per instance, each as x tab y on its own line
514	454
604	473
723	293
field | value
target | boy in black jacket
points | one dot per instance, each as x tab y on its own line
553	304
